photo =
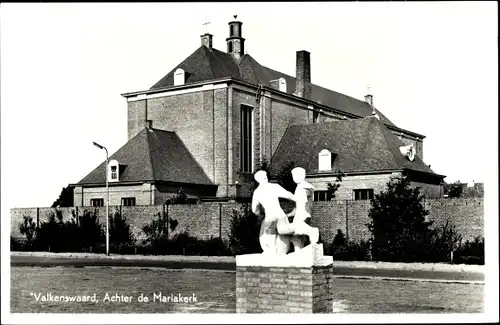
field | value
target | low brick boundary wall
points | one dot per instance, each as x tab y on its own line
284	289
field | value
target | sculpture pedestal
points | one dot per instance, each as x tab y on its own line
296	283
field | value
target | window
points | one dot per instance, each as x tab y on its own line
246	139
321	196
128	201
96	202
282	84
325	160
231	30
179	77
230	47
113	171
363	194
315	116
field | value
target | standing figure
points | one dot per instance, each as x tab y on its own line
303	208
266	197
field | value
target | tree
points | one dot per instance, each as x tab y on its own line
120	235
332	188
456	190
65	198
244	231
400	231
179	198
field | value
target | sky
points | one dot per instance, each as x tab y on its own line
431	67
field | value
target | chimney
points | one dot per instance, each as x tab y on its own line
303	75
206	39
369	99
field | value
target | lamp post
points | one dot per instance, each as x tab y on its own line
107	196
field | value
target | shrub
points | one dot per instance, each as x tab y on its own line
470	252
28	229
120	235
244	231
346	250
446	239
400	231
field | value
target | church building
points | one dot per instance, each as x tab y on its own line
216	116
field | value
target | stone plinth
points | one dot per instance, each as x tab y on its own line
288	284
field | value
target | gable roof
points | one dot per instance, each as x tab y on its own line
206	64
360	145
153	155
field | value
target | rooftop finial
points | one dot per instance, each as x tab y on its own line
235	16
206	24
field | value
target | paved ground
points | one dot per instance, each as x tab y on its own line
437	272
215	292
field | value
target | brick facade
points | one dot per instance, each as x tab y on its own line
284	289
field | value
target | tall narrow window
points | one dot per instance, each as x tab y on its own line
113	172
230	47
231	30
246	139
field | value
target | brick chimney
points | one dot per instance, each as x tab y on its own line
206	39
303	75
369	99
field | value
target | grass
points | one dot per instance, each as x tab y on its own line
215	292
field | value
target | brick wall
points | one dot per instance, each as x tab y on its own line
191	116
284	289
377	182
136	117
212	219
144	194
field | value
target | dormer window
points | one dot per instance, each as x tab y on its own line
325	160
282	84
179	77
113	171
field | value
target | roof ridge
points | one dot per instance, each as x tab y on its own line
150	152
384	135
207	54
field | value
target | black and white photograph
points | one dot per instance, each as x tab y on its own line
245	162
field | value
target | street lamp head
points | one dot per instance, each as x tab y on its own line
97	145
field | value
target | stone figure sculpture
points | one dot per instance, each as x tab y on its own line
276	232
266	196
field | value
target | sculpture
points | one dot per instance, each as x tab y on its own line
276	232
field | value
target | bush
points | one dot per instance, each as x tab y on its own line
400	231
121	238
445	239
346	250
244	231
470	252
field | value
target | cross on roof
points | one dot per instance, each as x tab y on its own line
206	24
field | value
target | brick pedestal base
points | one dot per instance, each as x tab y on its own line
263	289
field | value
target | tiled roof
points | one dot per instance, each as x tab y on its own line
205	64
360	145
153	155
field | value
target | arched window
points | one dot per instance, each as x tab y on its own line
230	47
179	77
113	171
325	160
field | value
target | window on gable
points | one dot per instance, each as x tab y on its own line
246	148
96	202
321	196
128	201
114	172
363	194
